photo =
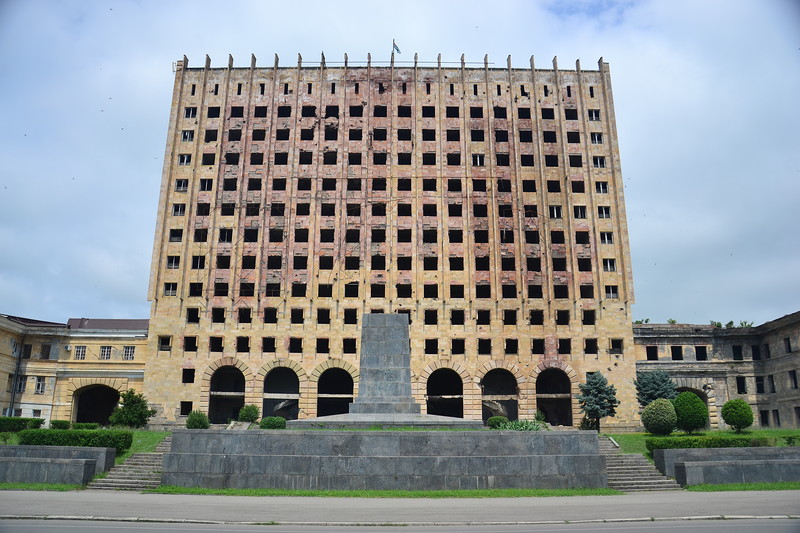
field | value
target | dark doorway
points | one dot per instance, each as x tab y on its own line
281	393
334	392
226	397
499	395
95	404
445	393
553	397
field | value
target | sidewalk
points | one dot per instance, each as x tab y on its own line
100	505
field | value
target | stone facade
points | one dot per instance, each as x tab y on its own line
757	364
485	202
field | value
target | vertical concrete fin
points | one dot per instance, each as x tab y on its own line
230	61
252	61
462	61
578	65
322	59
299	61
508	61
486	61
208	62
439	61
416	57
555	62
345	60
275	63
369	60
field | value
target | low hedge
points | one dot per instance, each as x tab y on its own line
85	425
16	423
101	438
60	424
710	441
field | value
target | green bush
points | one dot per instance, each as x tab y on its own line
134	411
737	414
273	422
587	424
101	438
85	425
248	413
711	441
525	425
659	417
62	424
197	420
495	422
791	440
16	423
691	412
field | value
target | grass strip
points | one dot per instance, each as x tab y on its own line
489	493
58	487
730	487
143	442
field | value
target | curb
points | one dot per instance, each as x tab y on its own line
384	523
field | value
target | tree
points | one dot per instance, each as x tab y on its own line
597	399
737	414
691	411
653	385
134	411
659	417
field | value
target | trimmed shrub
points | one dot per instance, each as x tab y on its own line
273	422
525	425
659	417
85	425
101	438
737	414
134	411
63	424
495	422
17	423
248	413
197	420
691	412
710	441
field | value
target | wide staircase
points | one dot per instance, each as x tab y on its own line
631	472
141	471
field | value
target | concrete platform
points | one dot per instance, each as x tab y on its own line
384	421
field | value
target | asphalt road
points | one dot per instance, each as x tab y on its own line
127	506
680	526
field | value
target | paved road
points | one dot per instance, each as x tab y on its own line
119	505
679	526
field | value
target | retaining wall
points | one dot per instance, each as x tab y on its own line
38	470
104	457
383	460
665	460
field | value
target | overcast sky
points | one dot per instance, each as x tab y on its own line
706	96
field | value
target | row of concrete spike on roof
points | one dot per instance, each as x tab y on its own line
322	62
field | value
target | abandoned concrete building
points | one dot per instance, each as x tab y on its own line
483	201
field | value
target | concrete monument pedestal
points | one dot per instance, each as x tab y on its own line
384	389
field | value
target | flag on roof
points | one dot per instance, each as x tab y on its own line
394	47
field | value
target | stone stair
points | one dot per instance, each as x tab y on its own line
631	472
141	471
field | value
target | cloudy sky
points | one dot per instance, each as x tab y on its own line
706	95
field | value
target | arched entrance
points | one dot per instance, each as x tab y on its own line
445	393
334	392
95	403
499	394
281	393
226	396
553	397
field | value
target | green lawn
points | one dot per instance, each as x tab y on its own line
780	485
634	442
143	442
493	493
39	486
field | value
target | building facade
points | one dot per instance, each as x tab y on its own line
486	203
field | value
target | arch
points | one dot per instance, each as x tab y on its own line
335	388
226	394
445	393
94	403
281	393
499	394
554	396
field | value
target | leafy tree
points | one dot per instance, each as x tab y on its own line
691	411
659	417
642	321
716	324
597	398
197	420
737	414
671	321
653	385
134	411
